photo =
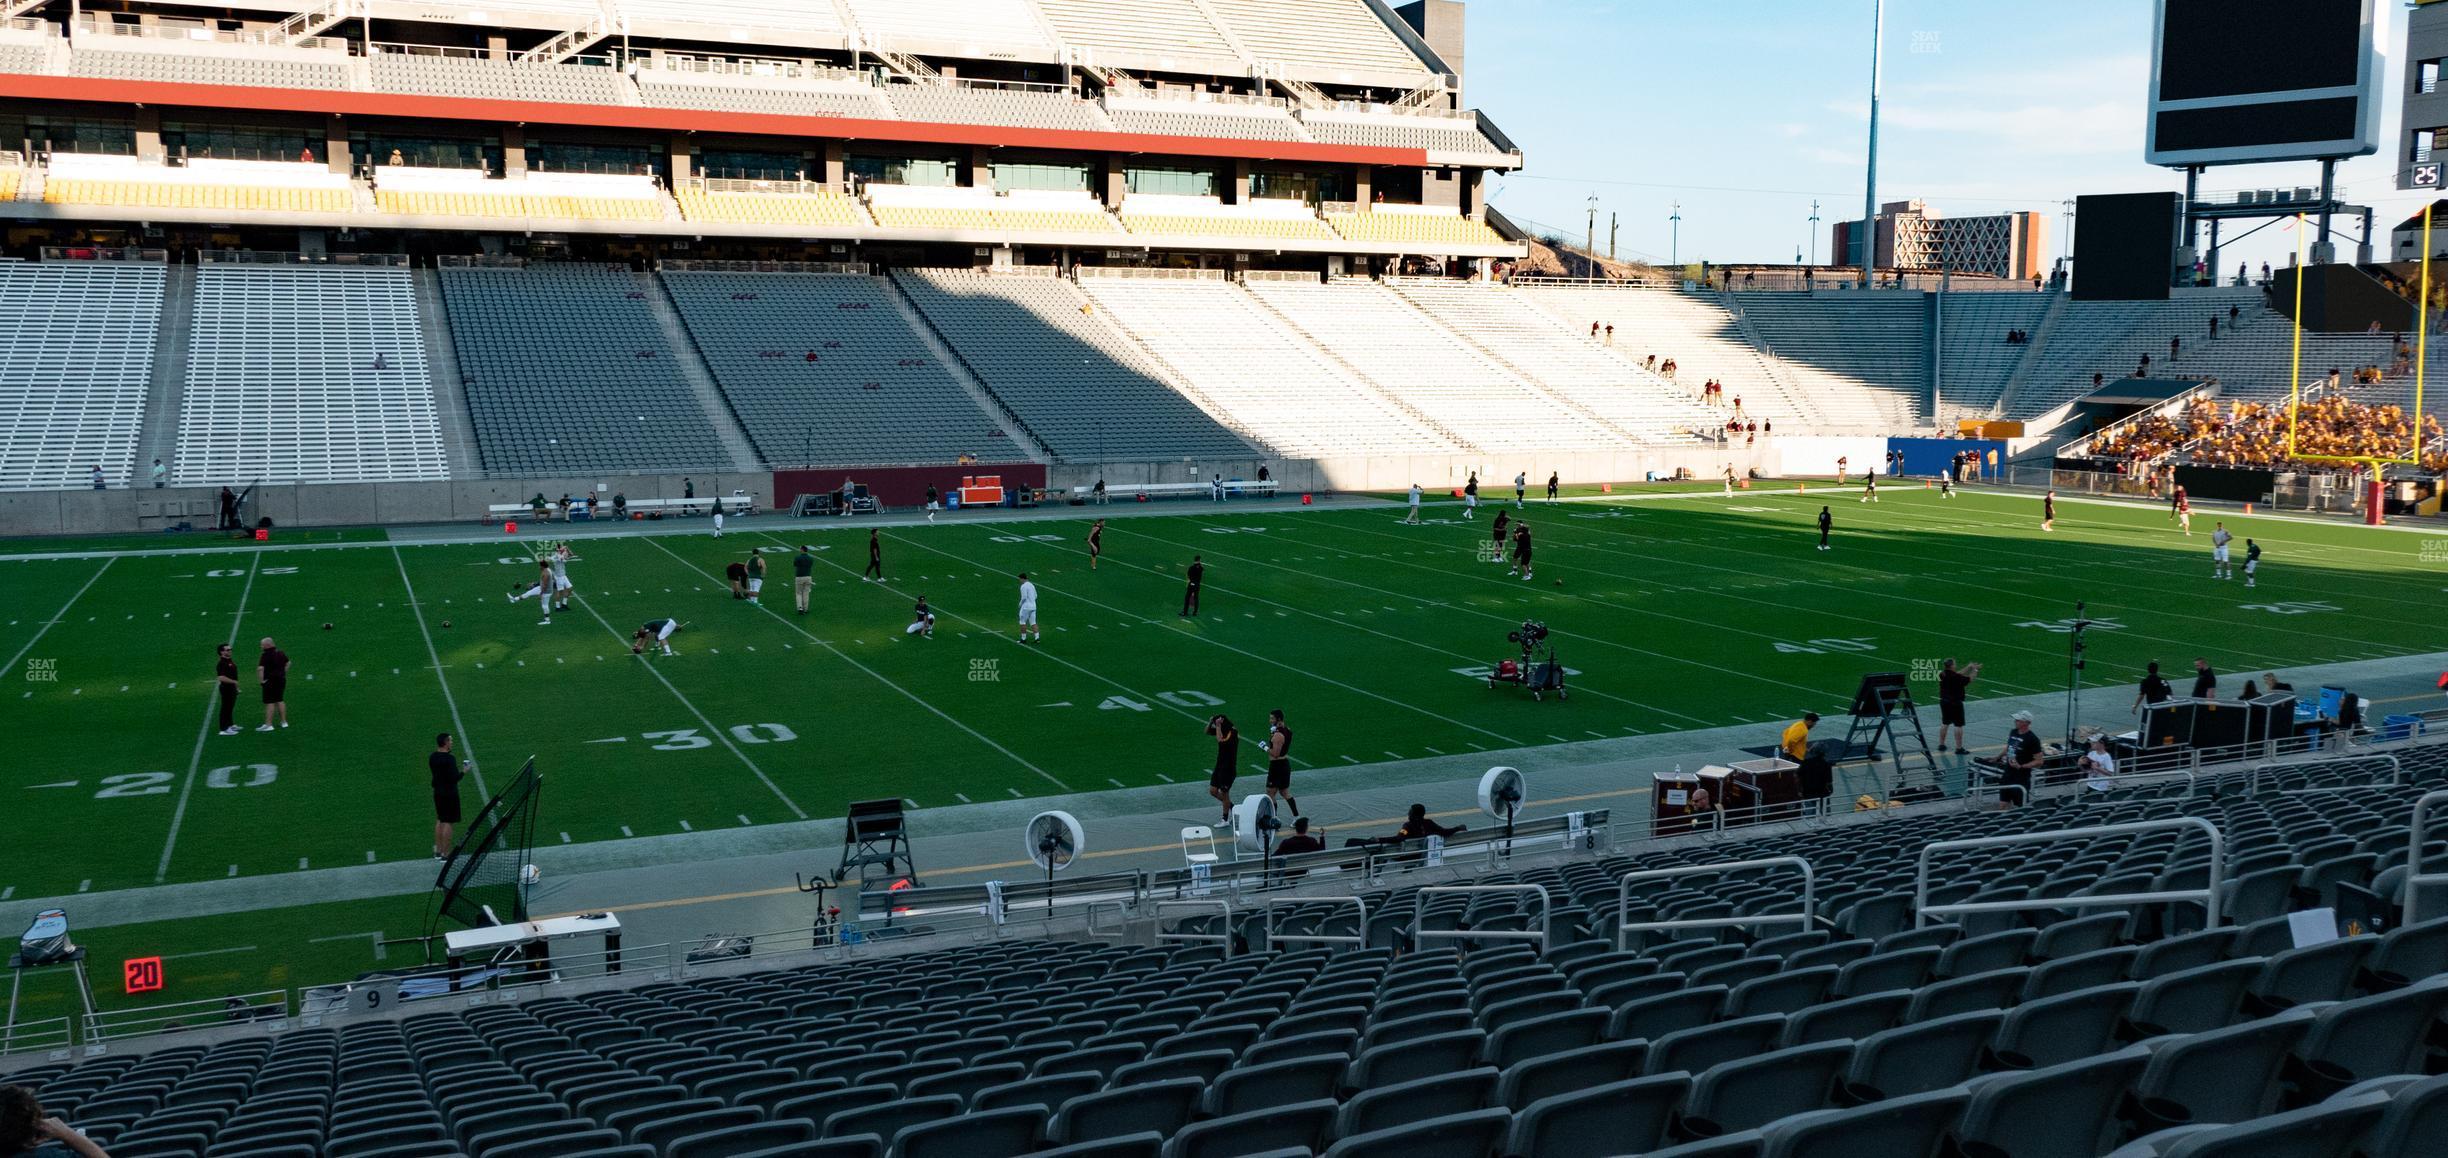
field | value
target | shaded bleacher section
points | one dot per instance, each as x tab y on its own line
1433	131
306	375
122	55
670	80
2251	358
1262	120
1975	360
74	372
1082	389
1525	1017
1862	358
1591	375
566	369
471	193
1693	329
1286	393
1019	106
823	370
985	210
1432	369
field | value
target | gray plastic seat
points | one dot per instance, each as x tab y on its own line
1655	1017
1751	1092
2176	954
2067	1027
2079	935
1254	1132
2327	1130
2374	1037
1574	1069
2080	971
1052	1090
1917	1058
2415	951
1388	1106
1540	1036
2416	1119
1471	1134
1282	1083
2064	1111
1880	972
2195	1000
1908	1127
1424	1057
1789	991
1616	1118
887	1120
1697	1049
1160	1106
1852	1017
2225	1075
741	1140
1148	1145
1012	1130
1981	954
1995	989
2323	972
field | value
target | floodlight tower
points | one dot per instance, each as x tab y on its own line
1869	232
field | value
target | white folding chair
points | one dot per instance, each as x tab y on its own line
1198	845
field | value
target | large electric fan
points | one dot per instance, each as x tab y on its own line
1254	825
1500	796
1054	840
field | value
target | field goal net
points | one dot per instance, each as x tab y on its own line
487	878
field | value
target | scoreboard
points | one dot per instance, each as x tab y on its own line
2247	81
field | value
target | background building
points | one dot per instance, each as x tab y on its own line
1910	236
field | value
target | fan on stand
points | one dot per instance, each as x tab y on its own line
1500	796
1254	825
1053	840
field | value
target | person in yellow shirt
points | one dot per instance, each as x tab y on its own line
1797	737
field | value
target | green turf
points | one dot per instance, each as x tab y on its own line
1678	614
182	540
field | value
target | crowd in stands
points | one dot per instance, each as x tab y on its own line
2254	434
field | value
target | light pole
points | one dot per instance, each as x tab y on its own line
1674	222
1589	238
1814	231
1869	237
1612	223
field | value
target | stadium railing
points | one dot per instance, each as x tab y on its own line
2418	880
276	257
2208	896
1625	926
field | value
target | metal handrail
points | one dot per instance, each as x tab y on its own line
205	1013
2397	773
2207	896
2415	877
50	1033
1356	940
1419	910
1220	904
1623	897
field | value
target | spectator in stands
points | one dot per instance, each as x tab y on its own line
1419	826
305	155
2098	764
97	476
1593	331
2143	370
2265	274
1610	335
1096	493
2251	692
2214	327
397	159
2270	680
159	472
25	1128
1300	841
2097	379
1953	682
565	506
2175	344
2016	762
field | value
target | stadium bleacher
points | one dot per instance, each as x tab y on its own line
1425	225
1083	389
1179	216
1337	38
757	202
1027	107
1021	210
1975	360
1192	118
1694	330
306	374
200	183
1433	369
822	369
1862	358
1286	393
1171	33
1590	374
73	380
1526	1017
405	71
566	369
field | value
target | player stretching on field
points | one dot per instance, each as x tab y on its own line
756	573
656	631
1028	611
2048	511
1521	549
2219	538
922	622
1554	479
1096	542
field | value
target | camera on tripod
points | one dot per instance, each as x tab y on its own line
1529	635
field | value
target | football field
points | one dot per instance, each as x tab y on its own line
1673	612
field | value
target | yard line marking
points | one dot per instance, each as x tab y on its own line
1014	791
1114	782
684	827
611	740
1165	778
301	863
1350	760
204	728
55	784
8	892
233	870
369	856
625	831
744	819
63	613
719	734
85	884
208	952
565	839
963	797
1394	754
1432	748
459	733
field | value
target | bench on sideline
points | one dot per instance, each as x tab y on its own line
580	512
1180	490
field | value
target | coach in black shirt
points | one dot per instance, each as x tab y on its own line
1952	683
2155	688
2205	681
225	680
272	672
1197	576
445	769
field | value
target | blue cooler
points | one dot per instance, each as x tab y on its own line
2400	727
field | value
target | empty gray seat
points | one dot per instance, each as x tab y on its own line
2314	973
1655	1017
2225	1075
2055	1030
738	1140
1907	1127
1471	1134
1853	1017
2376	1036
887	1120
1254	1132
1425	1057
1981	954
1281	1083
2194	1000
1750	1092
1574	1069
2080	971
1699	1048
1148	1145
1880	972
1923	1056
1615	1118
1540	1036
1161	1106
1789	991
1389	1106
1012	1130
2327	1130
2064	1111
1995	989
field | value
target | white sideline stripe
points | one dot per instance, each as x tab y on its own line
718	733
62	614
459	733
211	952
204	729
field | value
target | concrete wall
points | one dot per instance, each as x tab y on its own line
373	504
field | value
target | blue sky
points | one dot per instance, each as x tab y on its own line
1745	110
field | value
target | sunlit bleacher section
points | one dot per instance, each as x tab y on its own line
822	369
1027	106
200	183
1080	387
1168	215
1814	990
982	29
777	22
768	203
306	374
74	372
469	193
1565	361
26	45
1172	34
1431	129
1693	331
1861	358
726	84
187	54
2251	358
1334	37
405	69
1202	115
1975	360
1434	370
565	368
12	177
1275	385
956	207
1427	225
